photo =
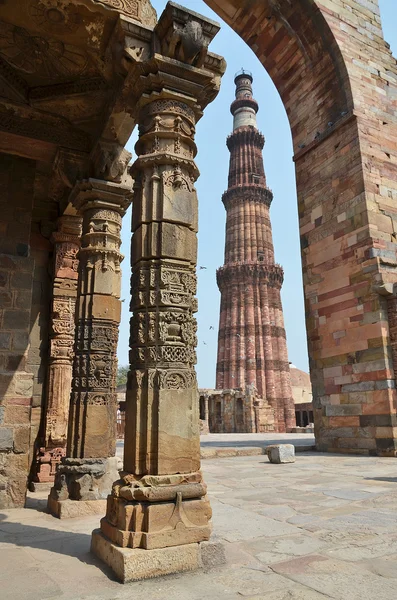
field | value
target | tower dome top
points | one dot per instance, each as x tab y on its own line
244	107
243	73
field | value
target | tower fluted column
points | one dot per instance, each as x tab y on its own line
252	349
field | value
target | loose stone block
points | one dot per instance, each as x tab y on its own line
281	453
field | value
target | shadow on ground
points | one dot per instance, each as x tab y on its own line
69	543
388	479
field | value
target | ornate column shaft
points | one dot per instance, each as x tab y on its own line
161	499
66	246
90	465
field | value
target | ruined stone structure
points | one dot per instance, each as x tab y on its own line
75	78
234	411
303	397
252	347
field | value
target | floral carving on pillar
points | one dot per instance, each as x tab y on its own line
66	241
90	464
139	10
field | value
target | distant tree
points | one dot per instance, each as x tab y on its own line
122	373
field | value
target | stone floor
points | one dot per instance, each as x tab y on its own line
235	440
323	527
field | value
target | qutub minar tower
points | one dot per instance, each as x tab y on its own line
252	349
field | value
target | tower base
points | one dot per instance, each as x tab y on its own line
133	564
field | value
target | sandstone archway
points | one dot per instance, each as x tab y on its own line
337	80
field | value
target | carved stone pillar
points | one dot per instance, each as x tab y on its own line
66	246
160	502
206	409
90	466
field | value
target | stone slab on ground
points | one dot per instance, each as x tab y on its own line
282	533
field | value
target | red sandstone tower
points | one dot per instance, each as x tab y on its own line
252	349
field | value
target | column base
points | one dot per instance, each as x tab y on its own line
37	487
157	511
133	564
47	461
82	486
72	509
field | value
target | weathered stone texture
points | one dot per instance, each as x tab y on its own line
281	453
16	279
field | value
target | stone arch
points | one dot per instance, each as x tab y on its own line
337	80
296	46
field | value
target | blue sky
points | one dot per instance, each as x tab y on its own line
213	162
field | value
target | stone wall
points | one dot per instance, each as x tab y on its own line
44	216
16	280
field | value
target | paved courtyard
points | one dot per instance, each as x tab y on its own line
323	527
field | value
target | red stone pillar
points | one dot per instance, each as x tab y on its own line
66	241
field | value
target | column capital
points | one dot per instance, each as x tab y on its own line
175	62
69	229
97	193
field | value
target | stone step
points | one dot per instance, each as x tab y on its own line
230	451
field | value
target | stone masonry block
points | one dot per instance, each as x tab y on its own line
15	414
21	281
281	453
6	439
5	340
20	340
135	564
21	440
342	410
16	319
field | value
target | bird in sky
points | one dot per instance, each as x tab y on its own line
202	267
205	343
211	327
